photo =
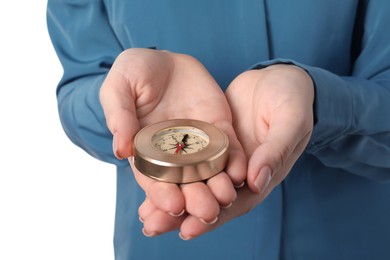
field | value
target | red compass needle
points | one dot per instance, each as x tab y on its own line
182	144
179	147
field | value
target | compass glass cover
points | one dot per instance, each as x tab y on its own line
180	140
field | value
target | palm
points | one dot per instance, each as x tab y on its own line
147	86
273	120
188	92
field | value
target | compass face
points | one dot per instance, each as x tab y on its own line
180	140
180	150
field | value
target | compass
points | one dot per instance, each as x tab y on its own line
180	150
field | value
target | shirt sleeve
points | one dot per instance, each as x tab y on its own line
352	129
87	47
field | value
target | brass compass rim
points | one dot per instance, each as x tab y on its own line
186	168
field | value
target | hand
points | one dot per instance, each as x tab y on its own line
272	111
190	226
146	86
273	117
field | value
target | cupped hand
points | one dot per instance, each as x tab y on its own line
145	86
273	117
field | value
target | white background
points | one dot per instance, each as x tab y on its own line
56	202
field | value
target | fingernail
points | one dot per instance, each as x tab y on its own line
263	179
240	185
227	206
184	237
176	214
115	146
147	234
208	222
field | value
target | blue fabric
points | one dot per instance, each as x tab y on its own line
335	203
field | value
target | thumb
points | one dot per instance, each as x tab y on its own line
273	159
120	112
262	166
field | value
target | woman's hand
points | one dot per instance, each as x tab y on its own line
146	86
273	118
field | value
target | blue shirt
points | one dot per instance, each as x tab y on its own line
335	203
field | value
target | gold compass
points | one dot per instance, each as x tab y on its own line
180	150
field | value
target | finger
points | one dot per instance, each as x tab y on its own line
276	151
146	208
159	222
237	164
165	196
119	110
192	227
200	202
156	221
223	190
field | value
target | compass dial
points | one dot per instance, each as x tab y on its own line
180	140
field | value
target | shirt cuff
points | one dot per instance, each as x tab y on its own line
332	107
